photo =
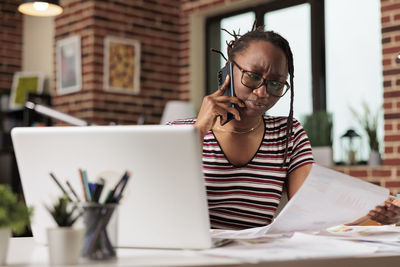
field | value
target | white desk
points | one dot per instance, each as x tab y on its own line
24	252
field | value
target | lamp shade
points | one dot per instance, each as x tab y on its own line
41	8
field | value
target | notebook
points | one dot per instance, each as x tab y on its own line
164	204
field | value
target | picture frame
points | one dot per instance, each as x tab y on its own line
68	67
121	65
24	83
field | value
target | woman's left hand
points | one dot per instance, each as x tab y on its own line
387	214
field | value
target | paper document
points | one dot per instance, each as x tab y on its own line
375	233
385	237
299	246
327	198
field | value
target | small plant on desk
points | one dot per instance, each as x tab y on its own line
14	216
64	212
65	242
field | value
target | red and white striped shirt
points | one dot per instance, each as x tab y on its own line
248	196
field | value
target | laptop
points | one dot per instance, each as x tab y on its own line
164	204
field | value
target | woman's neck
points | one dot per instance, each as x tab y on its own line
246	124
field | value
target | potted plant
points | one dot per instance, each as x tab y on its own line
369	122
64	241
318	127
14	216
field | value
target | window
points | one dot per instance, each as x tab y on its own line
297	31
353	67
242	22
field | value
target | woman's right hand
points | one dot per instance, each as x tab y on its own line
214	105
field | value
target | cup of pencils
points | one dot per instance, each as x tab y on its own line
101	230
100	218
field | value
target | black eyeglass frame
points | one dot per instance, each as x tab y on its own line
263	81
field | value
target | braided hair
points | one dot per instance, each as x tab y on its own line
241	42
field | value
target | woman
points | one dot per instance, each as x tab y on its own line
248	160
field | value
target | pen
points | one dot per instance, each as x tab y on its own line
98	189
124	179
59	185
92	187
86	184
108	196
72	190
83	185
114	197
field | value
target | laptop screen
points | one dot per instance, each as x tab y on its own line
164	204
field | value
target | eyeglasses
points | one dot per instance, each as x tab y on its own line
254	81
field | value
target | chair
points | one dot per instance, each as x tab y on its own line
177	109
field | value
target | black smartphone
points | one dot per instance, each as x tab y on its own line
230	91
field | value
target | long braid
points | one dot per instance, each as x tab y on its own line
240	43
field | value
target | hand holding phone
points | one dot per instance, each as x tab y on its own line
230	91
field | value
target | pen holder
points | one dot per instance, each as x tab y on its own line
101	231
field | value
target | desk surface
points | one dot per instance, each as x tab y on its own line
25	252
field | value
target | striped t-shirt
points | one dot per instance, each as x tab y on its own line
248	196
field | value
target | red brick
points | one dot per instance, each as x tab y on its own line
390	184
391	138
388	127
392	71
381	173
389	150
390	7
358	173
386	61
391	162
385	19
387	105
393	93
391	50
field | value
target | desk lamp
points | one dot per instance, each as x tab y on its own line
55	114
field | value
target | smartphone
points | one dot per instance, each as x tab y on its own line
230	91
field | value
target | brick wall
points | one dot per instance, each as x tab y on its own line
10	42
155	24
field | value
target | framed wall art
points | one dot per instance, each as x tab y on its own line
121	65
68	72
23	84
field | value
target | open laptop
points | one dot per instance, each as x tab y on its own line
164	205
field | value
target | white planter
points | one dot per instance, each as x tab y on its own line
65	245
323	155
5	234
374	158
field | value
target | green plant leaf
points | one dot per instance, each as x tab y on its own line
318	127
369	122
64	212
13	213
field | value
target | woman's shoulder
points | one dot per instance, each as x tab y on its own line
187	121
